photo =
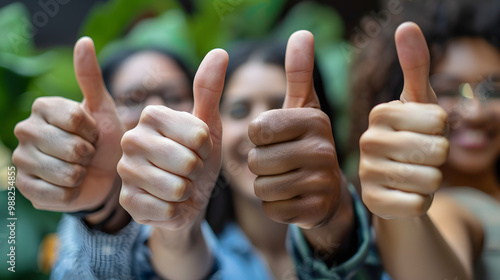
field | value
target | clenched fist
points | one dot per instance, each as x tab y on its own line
172	159
299	179
68	151
405	144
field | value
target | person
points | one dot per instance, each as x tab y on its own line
68	151
423	233
305	187
111	246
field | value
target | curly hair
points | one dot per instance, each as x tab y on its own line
376	76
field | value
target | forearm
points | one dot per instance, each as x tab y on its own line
413	248
335	241
180	254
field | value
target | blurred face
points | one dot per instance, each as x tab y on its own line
467	83
254	87
149	78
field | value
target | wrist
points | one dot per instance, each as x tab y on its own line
180	240
112	217
336	238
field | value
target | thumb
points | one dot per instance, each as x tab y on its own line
299	66
88	74
208	85
414	58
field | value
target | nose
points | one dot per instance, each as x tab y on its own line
153	100
473	110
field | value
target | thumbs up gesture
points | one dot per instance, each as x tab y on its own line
68	151
295	159
405	144
171	160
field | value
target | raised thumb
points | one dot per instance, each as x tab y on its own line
414	58
208	85
299	67
88	74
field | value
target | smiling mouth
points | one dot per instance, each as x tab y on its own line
471	138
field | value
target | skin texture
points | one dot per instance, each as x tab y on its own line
319	192
399	170
172	196
68	151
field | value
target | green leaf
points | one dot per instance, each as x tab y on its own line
110	20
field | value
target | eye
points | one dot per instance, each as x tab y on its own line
132	98
239	110
172	100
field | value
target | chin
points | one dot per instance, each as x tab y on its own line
472	165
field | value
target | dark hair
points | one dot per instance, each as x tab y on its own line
220	208
114	62
272	52
376	75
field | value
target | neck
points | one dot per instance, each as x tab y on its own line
485	181
265	234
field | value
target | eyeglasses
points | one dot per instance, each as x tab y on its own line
450	88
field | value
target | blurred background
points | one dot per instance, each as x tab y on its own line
36	44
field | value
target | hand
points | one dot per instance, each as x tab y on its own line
68	151
295	159
172	159
404	144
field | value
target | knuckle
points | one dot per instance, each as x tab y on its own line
254	130
126	169
152	114
319	119
17	157
379	113
191	163
441	116
75	174
22	131
200	136
366	169
275	214
370	198
22	184
40	104
323	149
434	179
126	200
131	141
77	150
179	189
443	146
253	160
261	189
75	118
84	150
370	142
